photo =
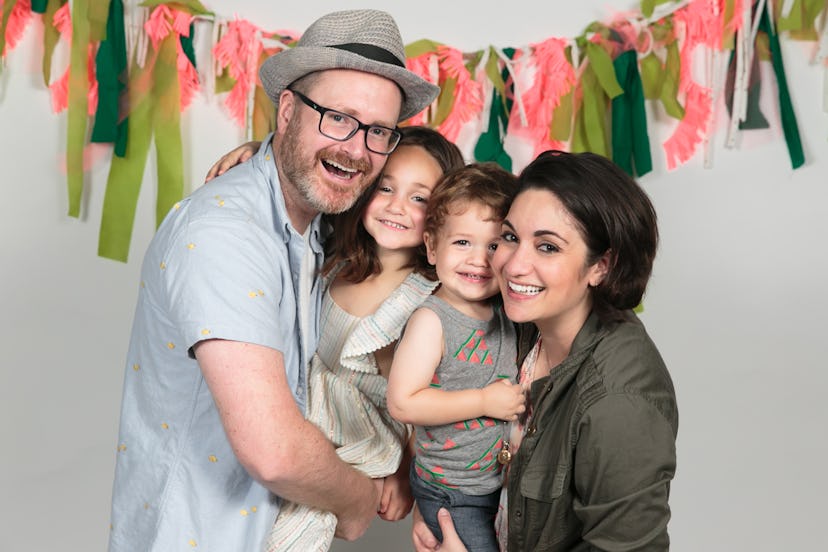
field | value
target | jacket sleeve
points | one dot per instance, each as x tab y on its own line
625	458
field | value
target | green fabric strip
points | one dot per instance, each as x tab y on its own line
652	76
630	141
489	146
601	64
493	71
594	111
801	21
111	71
78	103
560	128
169	151
8	6
789	125
193	7
51	36
127	172
264	112
264	115
39	6
187	45
445	102
420	47
670	86
98	15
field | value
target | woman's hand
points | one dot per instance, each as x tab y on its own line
230	160
425	541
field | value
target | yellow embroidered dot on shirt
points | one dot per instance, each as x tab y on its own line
212	458
190	245
121	447
261	293
253	509
193	543
171	345
143	284
146	506
252	294
205	331
165	426
267	157
177	206
243	512
136	367
163	265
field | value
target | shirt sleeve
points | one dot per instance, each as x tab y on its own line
223	281
625	459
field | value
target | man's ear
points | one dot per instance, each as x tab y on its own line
287	103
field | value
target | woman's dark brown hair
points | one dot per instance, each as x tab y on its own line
350	242
613	214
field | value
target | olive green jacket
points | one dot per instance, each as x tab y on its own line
593	471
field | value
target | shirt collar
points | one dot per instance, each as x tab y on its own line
264	158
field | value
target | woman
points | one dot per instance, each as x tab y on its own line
593	457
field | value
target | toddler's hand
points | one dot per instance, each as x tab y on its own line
503	400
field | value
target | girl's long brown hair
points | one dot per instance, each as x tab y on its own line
351	243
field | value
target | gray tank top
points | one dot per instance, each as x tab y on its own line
463	455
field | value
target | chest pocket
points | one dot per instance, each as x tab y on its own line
543	482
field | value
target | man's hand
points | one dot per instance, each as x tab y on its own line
353	523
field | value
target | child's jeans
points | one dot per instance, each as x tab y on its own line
473	516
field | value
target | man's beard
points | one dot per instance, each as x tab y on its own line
298	167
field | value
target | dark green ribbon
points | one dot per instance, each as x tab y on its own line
489	146
630	141
786	111
111	72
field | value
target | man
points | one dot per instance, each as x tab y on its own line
212	427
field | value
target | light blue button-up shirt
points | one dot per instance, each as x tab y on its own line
225	264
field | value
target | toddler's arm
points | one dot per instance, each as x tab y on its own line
412	400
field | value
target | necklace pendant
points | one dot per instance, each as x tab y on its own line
504	456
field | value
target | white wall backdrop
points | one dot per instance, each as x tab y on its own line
736	303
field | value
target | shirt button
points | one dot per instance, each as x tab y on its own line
531	430
518	513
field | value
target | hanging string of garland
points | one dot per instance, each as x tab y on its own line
132	71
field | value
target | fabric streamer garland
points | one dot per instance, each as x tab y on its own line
556	93
157	92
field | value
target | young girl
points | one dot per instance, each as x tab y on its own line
453	369
376	274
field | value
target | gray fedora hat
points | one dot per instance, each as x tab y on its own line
362	40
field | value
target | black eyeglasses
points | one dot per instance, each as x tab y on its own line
341	126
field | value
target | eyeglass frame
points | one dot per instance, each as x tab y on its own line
360	125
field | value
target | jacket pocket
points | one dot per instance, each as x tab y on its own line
544	482
547	504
